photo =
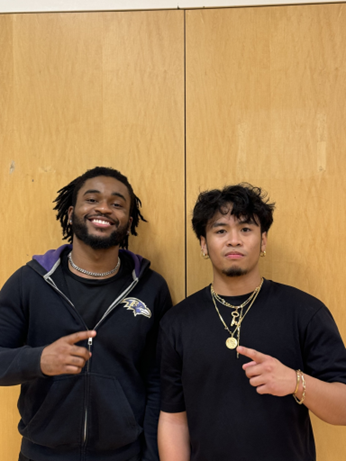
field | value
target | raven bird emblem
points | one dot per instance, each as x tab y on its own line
138	307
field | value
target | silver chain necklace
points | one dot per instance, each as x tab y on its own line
93	274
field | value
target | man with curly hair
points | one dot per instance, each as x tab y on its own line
221	400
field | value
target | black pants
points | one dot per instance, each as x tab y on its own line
24	458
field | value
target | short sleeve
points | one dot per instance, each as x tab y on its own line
324	351
172	395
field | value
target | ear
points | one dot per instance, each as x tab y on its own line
69	213
264	241
204	246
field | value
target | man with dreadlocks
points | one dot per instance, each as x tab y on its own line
78	329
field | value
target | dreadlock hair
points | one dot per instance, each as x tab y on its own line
247	202
67	197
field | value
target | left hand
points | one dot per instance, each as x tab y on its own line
268	374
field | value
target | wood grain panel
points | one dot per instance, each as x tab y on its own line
265	104
80	90
9	437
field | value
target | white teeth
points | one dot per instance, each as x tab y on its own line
100	221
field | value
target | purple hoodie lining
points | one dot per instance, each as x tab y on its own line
48	259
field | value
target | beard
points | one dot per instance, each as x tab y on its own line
80	230
234	272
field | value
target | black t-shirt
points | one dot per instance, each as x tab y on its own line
92	297
227	418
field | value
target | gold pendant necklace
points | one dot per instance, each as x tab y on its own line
233	342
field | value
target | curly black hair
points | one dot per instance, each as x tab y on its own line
247	201
67	196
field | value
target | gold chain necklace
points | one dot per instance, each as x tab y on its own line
225	303
235	314
233	342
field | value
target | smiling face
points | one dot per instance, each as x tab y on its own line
101	215
233	245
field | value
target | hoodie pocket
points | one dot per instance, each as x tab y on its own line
59	419
111	421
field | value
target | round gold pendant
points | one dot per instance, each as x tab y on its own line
231	343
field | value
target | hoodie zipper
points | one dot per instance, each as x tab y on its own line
85	430
51	282
90	343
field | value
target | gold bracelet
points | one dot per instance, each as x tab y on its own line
304	389
298	379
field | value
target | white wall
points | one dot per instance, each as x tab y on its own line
17	6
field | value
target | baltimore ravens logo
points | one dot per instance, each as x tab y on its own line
138	307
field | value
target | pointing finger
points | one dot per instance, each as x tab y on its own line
256	356
79	336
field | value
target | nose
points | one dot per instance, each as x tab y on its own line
234	238
103	206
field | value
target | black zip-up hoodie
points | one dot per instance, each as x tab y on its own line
109	411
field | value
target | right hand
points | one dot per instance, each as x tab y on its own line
64	357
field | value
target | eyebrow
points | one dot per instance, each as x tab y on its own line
218	224
95	191
240	221
247	221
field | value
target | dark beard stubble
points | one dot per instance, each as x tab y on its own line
234	272
80	230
